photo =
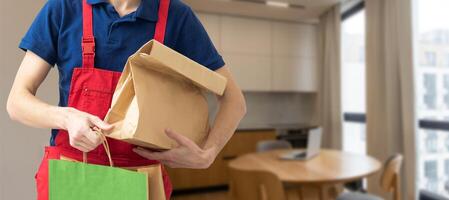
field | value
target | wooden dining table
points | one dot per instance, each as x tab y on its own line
324	172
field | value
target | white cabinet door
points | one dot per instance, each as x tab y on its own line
295	74
246	45
296	40
295	53
246	36
252	73
211	23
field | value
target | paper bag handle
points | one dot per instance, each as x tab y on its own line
105	145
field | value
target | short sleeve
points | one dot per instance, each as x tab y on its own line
194	42
42	36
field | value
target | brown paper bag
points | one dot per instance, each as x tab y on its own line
155	182
159	89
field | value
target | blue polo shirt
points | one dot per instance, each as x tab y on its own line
55	36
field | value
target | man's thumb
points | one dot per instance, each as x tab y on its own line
101	124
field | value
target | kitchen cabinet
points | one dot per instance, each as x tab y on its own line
246	36
295	57
217	175
246	142
247	51
295	40
295	74
266	55
252	73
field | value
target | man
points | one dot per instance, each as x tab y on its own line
90	41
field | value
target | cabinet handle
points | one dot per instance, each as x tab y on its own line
229	157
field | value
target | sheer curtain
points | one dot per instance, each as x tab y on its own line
330	89
391	120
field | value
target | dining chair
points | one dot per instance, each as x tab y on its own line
390	182
255	185
267	145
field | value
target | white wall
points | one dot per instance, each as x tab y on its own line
21	148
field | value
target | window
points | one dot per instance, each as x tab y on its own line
431	169
446	167
431	141
446	88
446	141
432	185
446	82
432	94
431	175
445	60
353	79
429	59
430	87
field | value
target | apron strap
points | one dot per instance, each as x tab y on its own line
161	24
88	40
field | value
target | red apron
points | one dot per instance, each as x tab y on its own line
91	91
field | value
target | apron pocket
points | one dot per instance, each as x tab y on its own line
95	101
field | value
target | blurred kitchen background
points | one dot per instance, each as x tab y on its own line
302	64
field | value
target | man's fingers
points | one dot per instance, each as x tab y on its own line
100	123
82	147
180	139
151	155
88	142
166	157
93	137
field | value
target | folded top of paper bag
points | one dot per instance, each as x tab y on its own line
177	64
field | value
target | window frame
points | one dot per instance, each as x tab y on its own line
353	10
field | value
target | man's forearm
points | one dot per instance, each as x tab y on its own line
231	111
23	105
28	109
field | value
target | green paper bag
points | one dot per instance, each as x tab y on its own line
79	181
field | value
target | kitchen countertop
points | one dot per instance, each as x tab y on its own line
285	126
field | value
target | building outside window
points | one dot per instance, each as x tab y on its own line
431	173
430	87
446	167
429	59
446	89
431	142
445	60
431	169
446	140
432	93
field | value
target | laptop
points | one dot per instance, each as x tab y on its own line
313	147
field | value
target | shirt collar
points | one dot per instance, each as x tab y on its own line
148	9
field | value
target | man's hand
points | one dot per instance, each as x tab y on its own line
186	155
80	127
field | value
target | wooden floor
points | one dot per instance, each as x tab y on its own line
308	193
